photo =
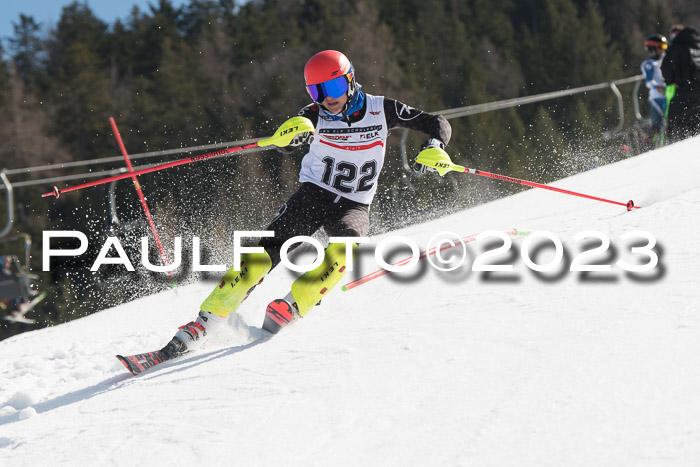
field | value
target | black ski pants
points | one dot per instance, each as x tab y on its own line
311	208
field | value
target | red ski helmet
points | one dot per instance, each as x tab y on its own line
329	73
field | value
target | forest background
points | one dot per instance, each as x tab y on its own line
216	71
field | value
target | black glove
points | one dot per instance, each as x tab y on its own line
302	138
431	143
299	140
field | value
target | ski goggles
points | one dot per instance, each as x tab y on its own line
334	88
652	45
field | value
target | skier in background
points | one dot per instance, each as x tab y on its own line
338	176
656	46
13	305
681	71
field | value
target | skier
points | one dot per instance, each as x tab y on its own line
14	290
656	46
338	181
681	69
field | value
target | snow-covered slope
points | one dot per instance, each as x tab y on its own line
458	368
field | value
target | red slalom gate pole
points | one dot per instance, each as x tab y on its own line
424	254
629	204
142	199
59	191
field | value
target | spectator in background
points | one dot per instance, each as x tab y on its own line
6	268
10	304
681	69
656	46
675	29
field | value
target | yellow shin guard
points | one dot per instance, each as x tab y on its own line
234	287
313	285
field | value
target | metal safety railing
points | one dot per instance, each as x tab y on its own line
7	186
106	160
10	204
518	101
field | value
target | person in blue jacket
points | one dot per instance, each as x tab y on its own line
656	46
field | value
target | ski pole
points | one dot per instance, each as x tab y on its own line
670	93
282	137
440	161
142	199
424	254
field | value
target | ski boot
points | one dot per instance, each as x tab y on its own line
228	295
308	289
194	334
280	313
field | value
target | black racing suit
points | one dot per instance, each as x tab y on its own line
313	207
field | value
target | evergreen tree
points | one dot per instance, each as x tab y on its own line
79	85
26	47
4	81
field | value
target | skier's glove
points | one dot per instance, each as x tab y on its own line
431	143
301	139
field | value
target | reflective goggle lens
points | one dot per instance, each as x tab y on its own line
333	88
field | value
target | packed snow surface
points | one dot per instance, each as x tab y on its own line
425	368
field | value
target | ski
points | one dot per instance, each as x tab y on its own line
24	309
278	314
19	319
143	361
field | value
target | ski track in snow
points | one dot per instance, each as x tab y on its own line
427	368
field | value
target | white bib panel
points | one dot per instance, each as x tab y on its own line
347	160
